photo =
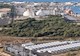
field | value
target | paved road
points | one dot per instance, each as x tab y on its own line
71	18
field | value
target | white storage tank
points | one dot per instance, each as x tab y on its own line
40	13
28	13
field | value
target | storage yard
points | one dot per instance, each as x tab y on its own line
43	49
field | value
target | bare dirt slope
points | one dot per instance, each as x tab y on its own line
14	40
3	53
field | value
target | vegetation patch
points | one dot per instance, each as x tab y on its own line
51	26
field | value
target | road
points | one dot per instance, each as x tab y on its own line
71	18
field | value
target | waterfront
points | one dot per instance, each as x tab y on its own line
76	9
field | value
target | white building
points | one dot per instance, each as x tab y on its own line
18	2
52	4
69	3
45	12
20	11
78	4
20	8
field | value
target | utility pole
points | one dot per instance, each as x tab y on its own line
12	14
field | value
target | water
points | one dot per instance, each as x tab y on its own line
75	9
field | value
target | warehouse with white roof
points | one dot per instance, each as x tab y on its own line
48	49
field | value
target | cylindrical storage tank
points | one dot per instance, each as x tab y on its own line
40	13
27	13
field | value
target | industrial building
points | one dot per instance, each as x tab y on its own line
43	49
38	9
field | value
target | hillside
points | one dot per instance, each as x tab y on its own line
50	26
